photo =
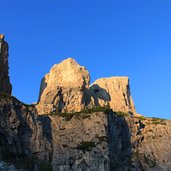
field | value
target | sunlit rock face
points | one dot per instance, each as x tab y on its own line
5	85
64	88
115	91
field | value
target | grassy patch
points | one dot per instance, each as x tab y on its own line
86	146
121	114
158	121
141	118
84	114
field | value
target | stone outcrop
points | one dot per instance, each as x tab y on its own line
63	88
115	91
5	85
66	89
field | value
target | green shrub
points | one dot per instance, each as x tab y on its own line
121	114
158	121
86	146
141	118
86	113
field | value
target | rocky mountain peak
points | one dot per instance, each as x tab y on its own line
70	74
63	87
66	88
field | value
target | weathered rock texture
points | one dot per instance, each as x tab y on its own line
66	89
94	141
115	91
23	136
150	144
5	85
63	88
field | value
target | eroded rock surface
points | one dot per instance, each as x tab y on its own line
63	88
94	141
66	89
152	145
91	142
5	85
115	91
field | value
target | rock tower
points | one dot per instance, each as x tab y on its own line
66	88
5	85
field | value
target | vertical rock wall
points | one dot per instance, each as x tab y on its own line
5	85
66	89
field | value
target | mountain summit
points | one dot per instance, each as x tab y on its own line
66	88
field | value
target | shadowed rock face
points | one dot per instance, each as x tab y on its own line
25	138
5	85
66	89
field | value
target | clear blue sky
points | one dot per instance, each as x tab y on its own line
110	37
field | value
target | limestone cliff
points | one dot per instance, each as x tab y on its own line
63	88
5	85
90	141
116	91
66	88
86	128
